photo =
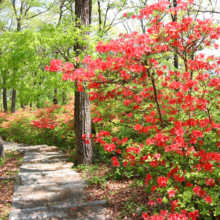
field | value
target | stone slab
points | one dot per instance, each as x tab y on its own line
83	211
12	146
46	177
6	143
46	160
41	157
39	167
46	188
30	196
38	148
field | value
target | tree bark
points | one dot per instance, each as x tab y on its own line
82	118
64	97
100	15
2	152
83	10
13	100
83	126
5	103
174	19
55	101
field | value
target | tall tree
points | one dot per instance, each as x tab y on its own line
82	117
23	11
2	152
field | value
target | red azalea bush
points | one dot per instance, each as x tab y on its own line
52	125
46	118
157	120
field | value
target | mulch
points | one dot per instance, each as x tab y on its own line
7	171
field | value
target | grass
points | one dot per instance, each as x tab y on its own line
10	154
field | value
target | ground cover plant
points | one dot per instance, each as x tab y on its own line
157	121
8	171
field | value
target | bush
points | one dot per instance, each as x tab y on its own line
161	121
52	125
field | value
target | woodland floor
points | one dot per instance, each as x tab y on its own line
124	197
8	169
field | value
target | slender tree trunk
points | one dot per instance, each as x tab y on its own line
157	102
82	116
13	96
18	24
55	101
2	152
100	15
13	100
38	104
5	103
174	19
61	12
64	98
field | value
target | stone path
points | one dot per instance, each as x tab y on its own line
47	188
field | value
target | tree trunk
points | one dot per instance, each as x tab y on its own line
83	126
64	98
2	152
55	101
100	15
13	100
174	19
82	118
83	10
5	103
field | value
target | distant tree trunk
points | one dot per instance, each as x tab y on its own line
2	152
100	15
5	103
64	98
55	101
82	116
174	19
13	100
18	24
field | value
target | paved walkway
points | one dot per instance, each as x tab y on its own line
47	188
